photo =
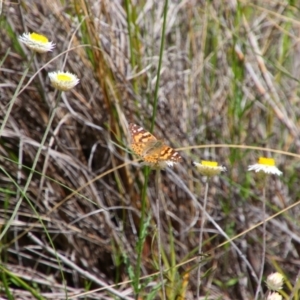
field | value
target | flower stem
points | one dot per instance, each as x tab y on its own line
201	238
258	289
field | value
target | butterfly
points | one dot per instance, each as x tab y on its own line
154	152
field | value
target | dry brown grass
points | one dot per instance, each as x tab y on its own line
229	75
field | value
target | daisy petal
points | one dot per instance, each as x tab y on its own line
63	81
266	165
36	42
209	168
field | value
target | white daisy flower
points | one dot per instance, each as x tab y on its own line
36	42
209	168
266	165
63	81
275	281
274	296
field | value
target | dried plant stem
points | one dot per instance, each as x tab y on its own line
201	238
216	225
13	100
157	183
259	289
270	95
32	168
81	271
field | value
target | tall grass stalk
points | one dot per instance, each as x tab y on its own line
162	43
132	38
142	235
201	238
146	173
159	241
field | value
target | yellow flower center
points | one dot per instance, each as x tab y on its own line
266	161
64	77
38	38
209	163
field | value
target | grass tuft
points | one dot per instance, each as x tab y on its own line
219	80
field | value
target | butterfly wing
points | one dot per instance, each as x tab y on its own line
153	151
140	138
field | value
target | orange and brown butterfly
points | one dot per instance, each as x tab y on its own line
154	152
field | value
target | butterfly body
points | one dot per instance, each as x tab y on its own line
150	149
